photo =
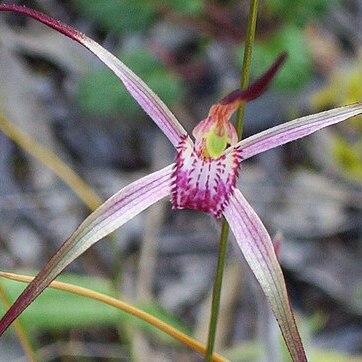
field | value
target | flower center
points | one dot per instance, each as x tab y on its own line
215	133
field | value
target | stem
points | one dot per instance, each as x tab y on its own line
245	73
215	304
244	81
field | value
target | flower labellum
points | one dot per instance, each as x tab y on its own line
204	178
203	183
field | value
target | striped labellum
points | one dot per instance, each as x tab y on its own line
203	183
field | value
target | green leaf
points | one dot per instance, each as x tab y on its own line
118	15
100	92
187	7
299	12
160	313
57	309
323	355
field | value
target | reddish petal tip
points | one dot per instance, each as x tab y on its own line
258	87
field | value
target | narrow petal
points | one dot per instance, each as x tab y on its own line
116	211
295	129
146	98
258	87
257	247
203	183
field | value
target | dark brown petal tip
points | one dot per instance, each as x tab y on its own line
258	87
45	19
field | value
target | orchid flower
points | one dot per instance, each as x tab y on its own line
202	178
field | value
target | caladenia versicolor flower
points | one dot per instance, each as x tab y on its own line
205	174
202	178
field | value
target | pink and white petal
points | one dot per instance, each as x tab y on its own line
115	212
257	248
146	98
203	184
294	130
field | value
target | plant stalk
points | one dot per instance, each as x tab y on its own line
244	81
245	72
216	295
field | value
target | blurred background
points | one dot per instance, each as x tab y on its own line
190	53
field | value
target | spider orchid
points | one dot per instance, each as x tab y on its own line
202	178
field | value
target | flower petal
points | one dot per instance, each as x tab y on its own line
295	129
203	183
146	98
115	212
257	88
257	247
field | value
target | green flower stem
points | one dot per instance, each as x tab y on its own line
245	75
215	304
